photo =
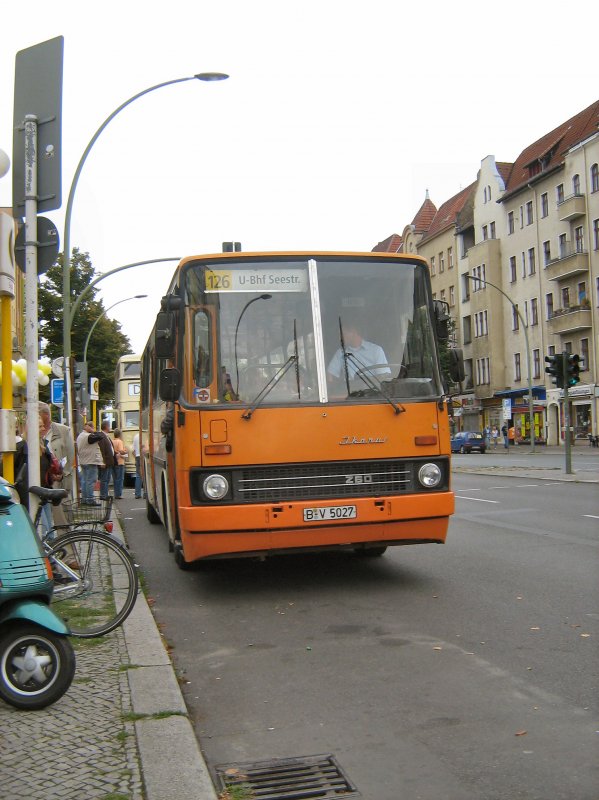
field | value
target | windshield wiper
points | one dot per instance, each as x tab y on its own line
371	380
247	414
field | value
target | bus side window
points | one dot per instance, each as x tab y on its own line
202	367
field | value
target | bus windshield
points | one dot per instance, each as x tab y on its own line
303	331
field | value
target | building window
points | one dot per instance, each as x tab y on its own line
442	295
546	252
529	215
481	324
433	269
523	264
584	354
521	217
534	312
576	184
485	233
517	368
510	222
551	350
483	375
579	238
549	304
595	178
560	193
441	262
544	205
596	234
513	275
465	287
452	296
568	347
532	267
566	297
479	273
467	328
515	318
563	245
492	231
450	258
582	291
536	364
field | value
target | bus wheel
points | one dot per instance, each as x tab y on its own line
180	558
151	514
370	552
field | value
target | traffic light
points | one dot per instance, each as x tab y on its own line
572	369
555	368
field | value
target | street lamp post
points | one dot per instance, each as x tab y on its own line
103	314
531	417
66	267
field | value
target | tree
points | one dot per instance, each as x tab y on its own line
107	343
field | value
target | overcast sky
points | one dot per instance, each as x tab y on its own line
337	117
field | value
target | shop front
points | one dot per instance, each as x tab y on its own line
520	413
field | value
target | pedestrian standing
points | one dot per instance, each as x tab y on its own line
60	442
504	432
90	459
137	454
120	454
106	471
494	436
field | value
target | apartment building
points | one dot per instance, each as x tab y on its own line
524	243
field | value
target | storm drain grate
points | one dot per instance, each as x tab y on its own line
288	778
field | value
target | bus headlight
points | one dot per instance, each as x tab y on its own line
215	487
429	475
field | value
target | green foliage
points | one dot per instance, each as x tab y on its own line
107	343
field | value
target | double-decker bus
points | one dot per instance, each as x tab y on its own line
126	405
294	401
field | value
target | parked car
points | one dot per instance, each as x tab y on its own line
467	441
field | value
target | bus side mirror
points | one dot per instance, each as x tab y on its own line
165	335
457	372
169	387
442	318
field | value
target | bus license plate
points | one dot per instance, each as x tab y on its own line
326	513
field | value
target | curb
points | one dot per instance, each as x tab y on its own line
171	762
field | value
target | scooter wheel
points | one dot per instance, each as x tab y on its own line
37	666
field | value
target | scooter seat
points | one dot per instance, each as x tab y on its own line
53	496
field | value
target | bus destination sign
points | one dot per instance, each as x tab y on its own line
256	280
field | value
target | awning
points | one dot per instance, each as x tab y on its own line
538	392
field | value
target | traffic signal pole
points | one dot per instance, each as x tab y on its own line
568	441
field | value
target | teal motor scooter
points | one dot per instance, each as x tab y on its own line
37	660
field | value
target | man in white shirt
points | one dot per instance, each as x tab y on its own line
361	354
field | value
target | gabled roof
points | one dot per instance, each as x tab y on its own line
548	152
448	212
392	244
504	168
425	216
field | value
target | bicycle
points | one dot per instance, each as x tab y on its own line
94	574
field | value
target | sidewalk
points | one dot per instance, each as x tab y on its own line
121	732
585	463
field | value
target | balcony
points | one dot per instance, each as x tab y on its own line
570	320
567	265
571	207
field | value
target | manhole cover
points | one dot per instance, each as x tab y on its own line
288	778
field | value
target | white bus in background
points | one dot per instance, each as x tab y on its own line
126	403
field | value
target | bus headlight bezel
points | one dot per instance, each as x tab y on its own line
215	487
430	475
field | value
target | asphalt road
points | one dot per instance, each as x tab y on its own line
466	671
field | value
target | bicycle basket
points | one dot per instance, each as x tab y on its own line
77	511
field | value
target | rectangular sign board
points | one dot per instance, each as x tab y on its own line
57	391
38	91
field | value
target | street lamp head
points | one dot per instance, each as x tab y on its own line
139	296
211	76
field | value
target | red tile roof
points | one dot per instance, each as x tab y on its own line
447	213
392	244
425	216
548	151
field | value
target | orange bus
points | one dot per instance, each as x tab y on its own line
295	401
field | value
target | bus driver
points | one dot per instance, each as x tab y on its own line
361	354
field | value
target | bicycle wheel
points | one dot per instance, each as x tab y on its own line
95	582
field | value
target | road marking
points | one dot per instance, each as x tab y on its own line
478	499
591	516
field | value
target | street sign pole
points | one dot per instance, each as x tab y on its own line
567	442
31	335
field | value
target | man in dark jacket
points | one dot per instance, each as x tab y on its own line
106	472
